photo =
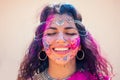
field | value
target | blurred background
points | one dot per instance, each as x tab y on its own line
19	19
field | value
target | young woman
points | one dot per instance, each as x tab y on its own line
63	49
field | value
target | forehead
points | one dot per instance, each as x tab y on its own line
58	20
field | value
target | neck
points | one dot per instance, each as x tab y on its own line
61	71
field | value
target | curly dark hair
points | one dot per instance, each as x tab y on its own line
93	61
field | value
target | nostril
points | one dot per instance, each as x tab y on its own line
60	41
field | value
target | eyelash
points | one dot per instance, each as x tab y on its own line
71	34
50	34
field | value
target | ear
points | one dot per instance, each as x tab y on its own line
43	49
79	48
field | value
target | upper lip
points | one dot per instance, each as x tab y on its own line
60	46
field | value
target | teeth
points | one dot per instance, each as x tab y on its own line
60	49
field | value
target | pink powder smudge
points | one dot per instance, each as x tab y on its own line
75	43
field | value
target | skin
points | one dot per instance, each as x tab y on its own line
66	36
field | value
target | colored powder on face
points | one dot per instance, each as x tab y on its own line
49	20
65	58
46	44
60	22
75	43
44	40
61	36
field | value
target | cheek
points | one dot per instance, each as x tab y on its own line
74	43
46	45
47	42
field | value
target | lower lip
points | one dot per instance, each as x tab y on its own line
61	52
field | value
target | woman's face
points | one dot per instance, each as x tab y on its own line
61	39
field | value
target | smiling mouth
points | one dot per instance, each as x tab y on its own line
61	50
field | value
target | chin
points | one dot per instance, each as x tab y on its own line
62	62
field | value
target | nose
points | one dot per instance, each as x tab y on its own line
60	38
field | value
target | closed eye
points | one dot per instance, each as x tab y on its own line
71	34
50	34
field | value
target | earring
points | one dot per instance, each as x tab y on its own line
80	56
42	56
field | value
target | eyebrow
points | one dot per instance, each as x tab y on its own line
69	28
52	28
